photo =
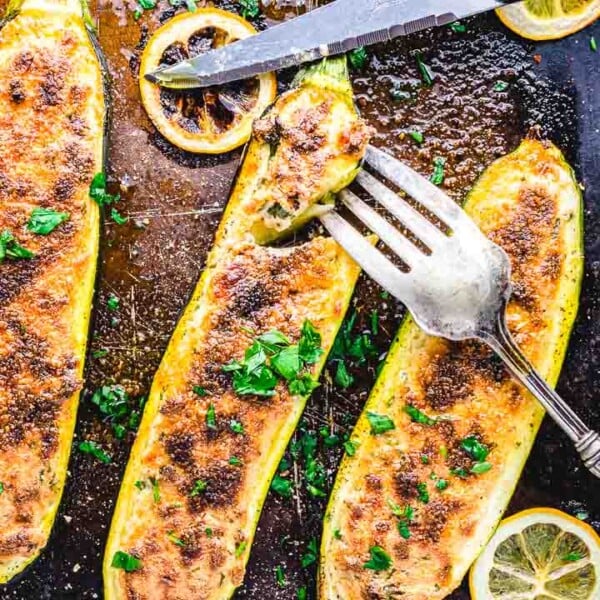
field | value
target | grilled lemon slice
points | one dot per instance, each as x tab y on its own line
539	554
209	120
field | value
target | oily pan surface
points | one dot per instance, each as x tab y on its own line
174	201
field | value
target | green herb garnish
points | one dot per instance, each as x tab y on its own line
235	461
10	248
422	492
199	488
342	377
113	303
239	549
358	58
426	73
418	416
438	175
417	136
249	9
350	447
458	27
572	557
474	448
593	44
45	220
125	561
117	217
380	423
301	593
441	484
173	538
282	486
480	467
280	576
98	191
500	86
199	391
95	450
211	416
380	560
155	489
236	427
310	556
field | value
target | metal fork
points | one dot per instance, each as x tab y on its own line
459	290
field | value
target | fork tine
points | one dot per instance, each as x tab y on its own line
419	188
428	233
373	262
403	247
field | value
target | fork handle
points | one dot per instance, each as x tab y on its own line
587	441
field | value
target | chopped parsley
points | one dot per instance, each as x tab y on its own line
173	538
117	217
1	488
350	447
113	303
310	556
380	560
572	557
380	423
249	9
200	487
140	485
10	248
100	353
45	220
481	467
155	489
405	516
417	416
441	484
236	427
305	446
98	191
272	358
239	549
125	561
352	348
301	593
422	492
426	73
438	175
199	391
417	136
114	405
593	44
211	417
235	461
337	534
342	377
500	86
474	448
282	486
458	27
208	531
95	450
280	576
358	58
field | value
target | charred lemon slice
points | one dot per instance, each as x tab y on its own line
539	554
209	120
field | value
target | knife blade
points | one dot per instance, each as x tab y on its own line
332	29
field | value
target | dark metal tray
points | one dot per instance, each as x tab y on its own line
175	201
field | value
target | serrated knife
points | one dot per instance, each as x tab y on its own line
332	29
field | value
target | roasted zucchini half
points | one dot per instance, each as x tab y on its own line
204	456
446	431
52	115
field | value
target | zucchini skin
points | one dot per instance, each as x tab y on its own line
245	286
52	128
528	202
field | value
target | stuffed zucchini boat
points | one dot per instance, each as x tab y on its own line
210	441
52	115
446	431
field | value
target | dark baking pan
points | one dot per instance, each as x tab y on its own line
175	201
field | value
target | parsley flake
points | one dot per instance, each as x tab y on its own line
199	488
249	9
418	416
10	248
95	450
45	220
239	549
125	561
282	486
211	417
98	191
236	427
310	556
358	58
426	73
380	560
438	175
380	423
